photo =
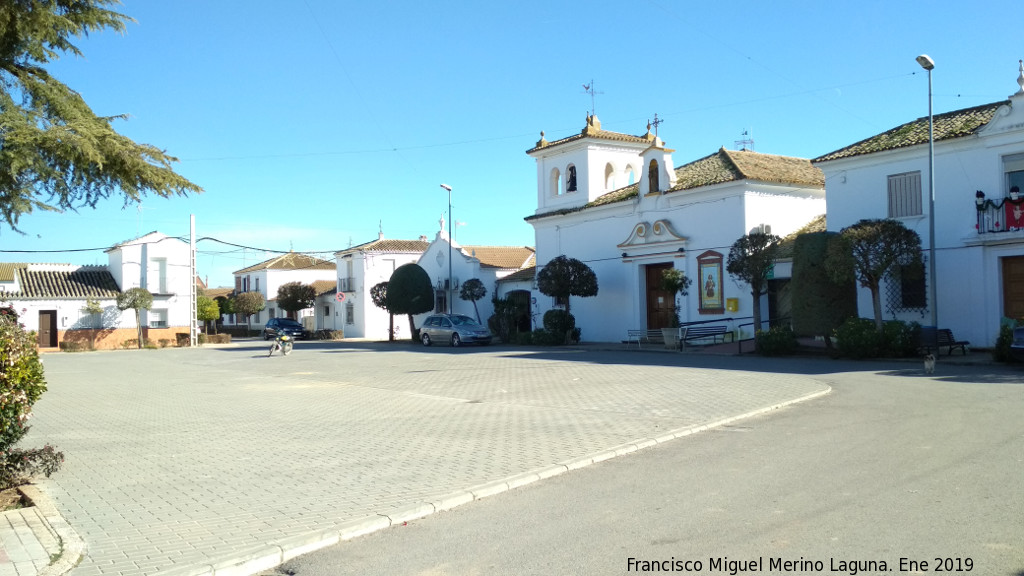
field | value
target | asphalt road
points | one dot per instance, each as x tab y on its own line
919	473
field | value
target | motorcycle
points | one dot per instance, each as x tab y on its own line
283	342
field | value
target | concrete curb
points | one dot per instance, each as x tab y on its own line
72	545
253	561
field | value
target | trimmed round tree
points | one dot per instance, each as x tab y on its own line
563	277
870	249
379	297
295	296
135	299
207	310
410	292
750	260
249	303
473	290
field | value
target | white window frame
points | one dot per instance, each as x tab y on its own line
157	318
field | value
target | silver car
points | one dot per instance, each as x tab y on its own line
456	329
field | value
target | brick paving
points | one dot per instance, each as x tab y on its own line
178	458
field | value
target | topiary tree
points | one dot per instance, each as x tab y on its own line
820	304
870	249
207	310
563	277
750	260
21	385
295	296
135	299
379	296
473	290
410	292
249	303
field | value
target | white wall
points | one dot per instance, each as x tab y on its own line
970	296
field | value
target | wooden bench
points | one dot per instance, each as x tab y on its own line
946	339
715	333
652	336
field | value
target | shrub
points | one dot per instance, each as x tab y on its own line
776	341
559	322
901	339
1001	351
542	337
21	384
72	346
858	338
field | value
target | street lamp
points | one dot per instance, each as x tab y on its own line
928	64
448	294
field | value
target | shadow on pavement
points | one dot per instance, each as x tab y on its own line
976	368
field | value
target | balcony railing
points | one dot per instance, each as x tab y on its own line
1003	215
346	284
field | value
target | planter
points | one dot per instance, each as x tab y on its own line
671	336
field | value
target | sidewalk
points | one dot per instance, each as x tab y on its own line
651	413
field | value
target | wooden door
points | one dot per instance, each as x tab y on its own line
1013	287
47	328
660	303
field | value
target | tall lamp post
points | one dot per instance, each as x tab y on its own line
448	294
928	64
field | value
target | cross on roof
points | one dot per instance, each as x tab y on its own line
655	123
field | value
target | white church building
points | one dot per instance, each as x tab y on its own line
617	203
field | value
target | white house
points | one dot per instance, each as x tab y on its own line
267	276
362	267
51	298
489	264
979	240
617	203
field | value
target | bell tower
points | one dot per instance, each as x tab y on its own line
578	169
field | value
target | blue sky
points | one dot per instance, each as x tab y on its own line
313	124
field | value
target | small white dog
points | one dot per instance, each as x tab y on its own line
929	363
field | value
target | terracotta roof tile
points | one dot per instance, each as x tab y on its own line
70	283
217	292
732	165
502	256
324	286
387	245
9	269
948	125
291	261
524	275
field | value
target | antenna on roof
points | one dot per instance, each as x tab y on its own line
747	142
589	89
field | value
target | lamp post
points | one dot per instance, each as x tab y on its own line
448	295
928	64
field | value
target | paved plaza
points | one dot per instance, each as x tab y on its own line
180	460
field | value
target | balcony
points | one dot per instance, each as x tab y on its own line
346	284
998	221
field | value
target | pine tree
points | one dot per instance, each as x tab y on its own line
55	152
